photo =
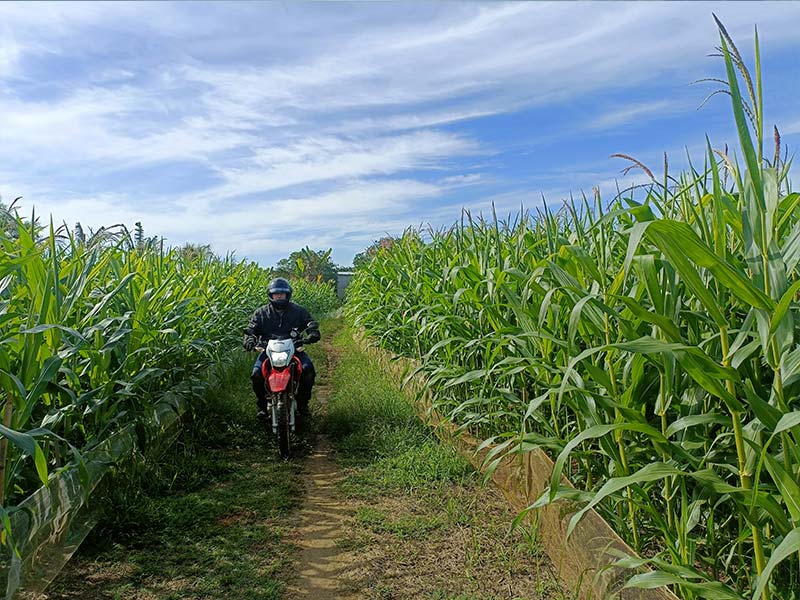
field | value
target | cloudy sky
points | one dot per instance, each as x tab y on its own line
261	128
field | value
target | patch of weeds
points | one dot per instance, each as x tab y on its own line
442	595
383	592
401	526
460	506
426	466
531	537
353	541
373	426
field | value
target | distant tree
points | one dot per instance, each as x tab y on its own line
308	264
364	257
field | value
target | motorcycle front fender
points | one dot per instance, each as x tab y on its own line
279	380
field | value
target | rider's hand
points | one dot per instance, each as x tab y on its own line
250	343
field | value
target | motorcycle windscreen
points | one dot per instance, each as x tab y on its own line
279	380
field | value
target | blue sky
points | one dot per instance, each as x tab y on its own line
261	128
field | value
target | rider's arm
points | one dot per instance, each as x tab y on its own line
312	332
253	327
311	328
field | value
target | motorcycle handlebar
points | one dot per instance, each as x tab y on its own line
261	344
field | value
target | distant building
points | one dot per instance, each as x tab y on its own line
342	281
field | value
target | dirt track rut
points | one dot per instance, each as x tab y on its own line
321	562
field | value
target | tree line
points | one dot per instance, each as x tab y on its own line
306	263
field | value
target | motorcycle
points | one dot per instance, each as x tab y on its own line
281	370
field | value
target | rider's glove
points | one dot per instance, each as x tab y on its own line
249	343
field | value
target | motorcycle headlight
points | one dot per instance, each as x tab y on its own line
279	359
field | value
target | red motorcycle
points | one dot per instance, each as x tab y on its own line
281	370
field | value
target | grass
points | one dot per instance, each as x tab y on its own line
382	520
374	427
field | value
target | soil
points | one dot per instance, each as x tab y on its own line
321	562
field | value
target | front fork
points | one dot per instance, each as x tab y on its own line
282	397
274	410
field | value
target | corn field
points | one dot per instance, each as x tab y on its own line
94	330
649	345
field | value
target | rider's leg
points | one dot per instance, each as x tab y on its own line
306	383
257	379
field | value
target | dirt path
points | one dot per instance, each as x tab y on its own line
323	518
324	515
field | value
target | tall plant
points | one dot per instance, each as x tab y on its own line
650	346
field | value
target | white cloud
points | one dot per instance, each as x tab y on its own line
632	112
320	159
338	112
418	120
790	128
462	180
254	228
9	52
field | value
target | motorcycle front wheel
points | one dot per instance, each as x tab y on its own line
284	441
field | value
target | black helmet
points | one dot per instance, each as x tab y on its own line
279	285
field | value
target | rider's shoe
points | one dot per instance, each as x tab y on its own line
262	415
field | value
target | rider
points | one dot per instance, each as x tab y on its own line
280	317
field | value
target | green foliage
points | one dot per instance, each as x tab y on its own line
651	345
318	298
312	265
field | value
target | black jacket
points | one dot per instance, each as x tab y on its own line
267	321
